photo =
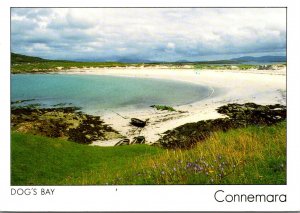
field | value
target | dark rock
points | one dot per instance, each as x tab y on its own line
139	140
60	123
239	115
137	122
123	142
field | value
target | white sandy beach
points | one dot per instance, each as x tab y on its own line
227	86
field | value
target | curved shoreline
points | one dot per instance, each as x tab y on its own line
261	87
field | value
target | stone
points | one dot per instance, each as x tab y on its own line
123	142
139	140
137	122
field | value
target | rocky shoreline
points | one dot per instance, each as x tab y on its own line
71	124
239	115
62	122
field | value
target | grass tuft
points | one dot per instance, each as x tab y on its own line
163	107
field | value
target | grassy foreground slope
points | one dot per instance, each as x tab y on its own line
253	155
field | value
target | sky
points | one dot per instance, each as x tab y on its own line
154	34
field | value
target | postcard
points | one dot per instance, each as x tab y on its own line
152	108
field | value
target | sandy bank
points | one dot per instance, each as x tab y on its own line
233	86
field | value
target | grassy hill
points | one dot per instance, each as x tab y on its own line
28	64
18	59
252	155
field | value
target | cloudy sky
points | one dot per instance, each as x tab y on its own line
148	34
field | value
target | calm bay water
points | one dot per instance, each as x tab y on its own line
103	93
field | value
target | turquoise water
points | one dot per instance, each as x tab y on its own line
103	93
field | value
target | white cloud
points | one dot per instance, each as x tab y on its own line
170	45
169	34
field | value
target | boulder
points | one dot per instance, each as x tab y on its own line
138	140
138	123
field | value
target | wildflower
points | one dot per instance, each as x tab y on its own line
162	172
198	169
174	169
188	165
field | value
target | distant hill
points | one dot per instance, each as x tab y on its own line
261	59
21	59
183	61
18	59
132	60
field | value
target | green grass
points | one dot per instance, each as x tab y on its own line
52	66
225	66
38	160
252	155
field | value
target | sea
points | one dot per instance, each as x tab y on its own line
96	94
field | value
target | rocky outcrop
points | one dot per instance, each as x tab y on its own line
64	122
254	114
90	129
239	115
